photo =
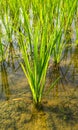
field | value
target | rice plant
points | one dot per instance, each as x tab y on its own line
36	47
62	23
40	28
9	17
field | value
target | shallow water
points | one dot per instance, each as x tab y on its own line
60	107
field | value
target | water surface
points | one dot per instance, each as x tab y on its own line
60	107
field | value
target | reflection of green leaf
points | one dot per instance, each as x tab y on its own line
53	85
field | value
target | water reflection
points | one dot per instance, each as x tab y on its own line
67	69
5	90
73	67
11	55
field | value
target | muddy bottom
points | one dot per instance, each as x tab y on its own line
59	108
58	113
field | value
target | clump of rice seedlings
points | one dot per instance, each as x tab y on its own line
62	23
36	47
9	17
40	28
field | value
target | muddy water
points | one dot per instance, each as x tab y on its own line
60	107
